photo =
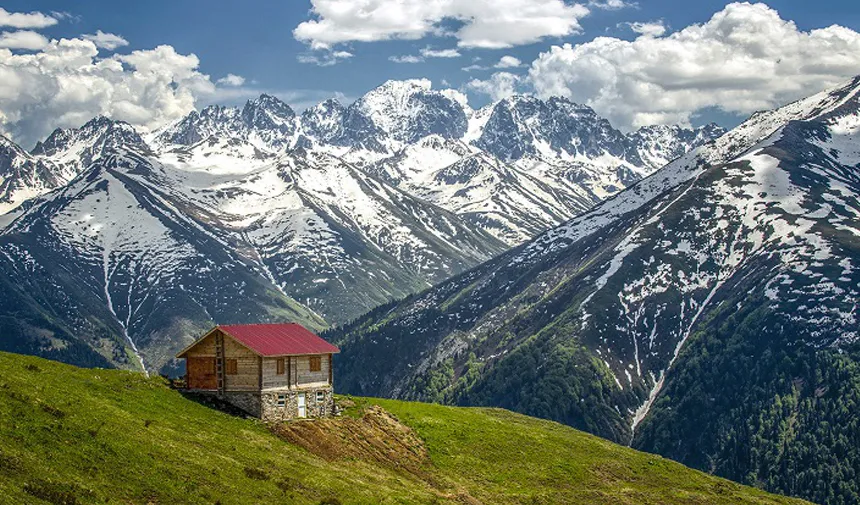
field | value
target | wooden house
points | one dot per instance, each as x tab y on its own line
272	371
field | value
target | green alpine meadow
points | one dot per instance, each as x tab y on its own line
79	436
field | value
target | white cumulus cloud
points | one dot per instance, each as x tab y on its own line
500	85
23	39
611	5
508	61
26	19
483	23
406	58
440	53
232	80
102	40
66	84
745	58
325	59
650	29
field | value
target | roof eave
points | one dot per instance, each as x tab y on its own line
299	354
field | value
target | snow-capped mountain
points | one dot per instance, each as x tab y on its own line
57	160
527	126
655	146
568	156
265	122
23	176
407	111
336	238
325	215
324	124
145	250
516	167
73	149
692	313
508	202
109	270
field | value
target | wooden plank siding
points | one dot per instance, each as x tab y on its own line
304	376
247	374
200	365
205	347
297	373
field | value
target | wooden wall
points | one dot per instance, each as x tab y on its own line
247	377
304	376
271	379
196	372
297	373
204	348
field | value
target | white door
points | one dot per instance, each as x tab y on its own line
301	403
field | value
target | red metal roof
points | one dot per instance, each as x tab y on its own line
279	339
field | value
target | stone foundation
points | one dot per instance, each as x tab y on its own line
273	412
266	406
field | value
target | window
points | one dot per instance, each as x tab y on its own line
280	365
320	397
282	400
232	367
316	363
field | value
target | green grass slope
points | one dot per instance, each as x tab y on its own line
71	435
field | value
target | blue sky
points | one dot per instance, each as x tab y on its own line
255	39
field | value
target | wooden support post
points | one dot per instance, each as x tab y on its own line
289	372
260	373
330	371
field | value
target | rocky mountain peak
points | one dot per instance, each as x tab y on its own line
409	110
324	121
80	146
266	121
10	149
524	125
268	112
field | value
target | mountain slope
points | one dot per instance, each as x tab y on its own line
111	263
504	200
23	177
332	236
55	162
153	249
745	247
69	435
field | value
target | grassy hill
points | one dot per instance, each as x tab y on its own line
71	435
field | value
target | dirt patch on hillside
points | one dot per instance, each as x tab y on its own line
377	436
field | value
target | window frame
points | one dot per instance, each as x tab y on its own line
281	400
315	360
320	396
231	366
280	366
